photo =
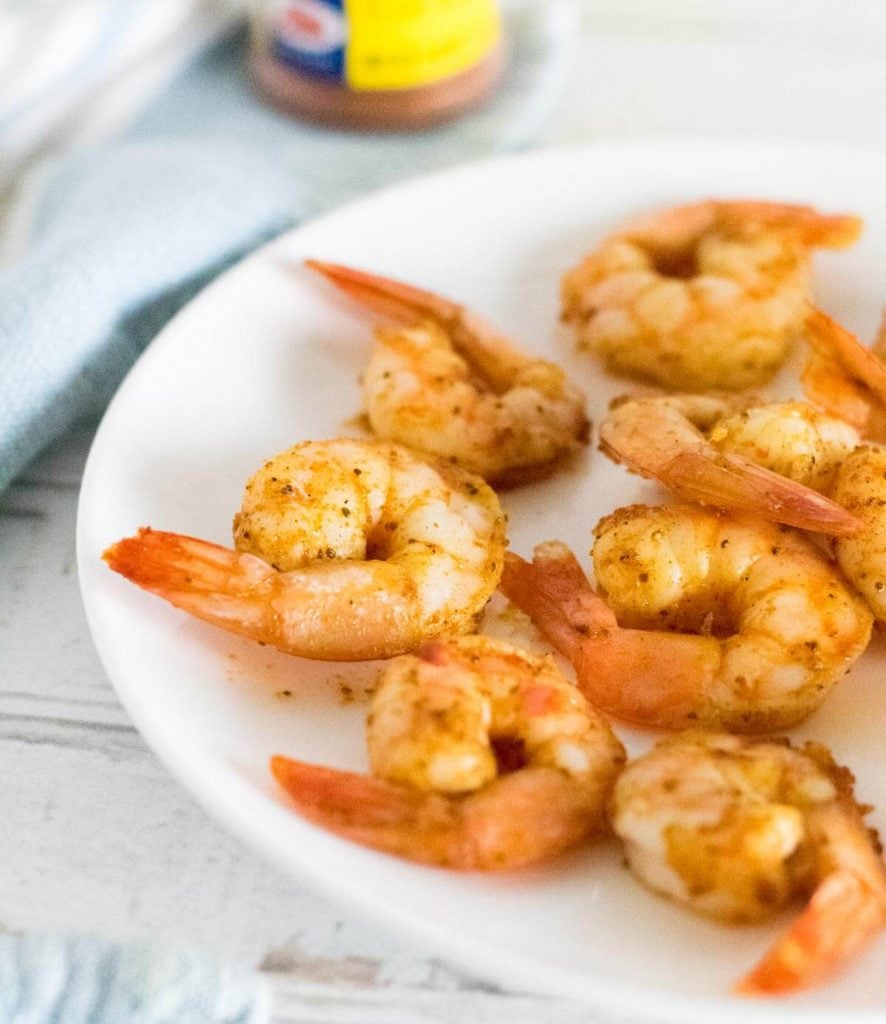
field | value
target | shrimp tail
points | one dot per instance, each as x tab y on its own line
383	295
829	386
618	670
834	342
554	591
518	820
392	817
730	481
361	807
843	916
489	352
207	580
814	229
682	225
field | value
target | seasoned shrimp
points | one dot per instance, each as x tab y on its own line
733	453
845	378
861	488
735	828
484	757
703	296
347	550
764	624
736	468
449	384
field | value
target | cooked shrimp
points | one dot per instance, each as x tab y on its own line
861	488
733	453
347	550
484	758
703	296
736	468
766	624
735	828
845	378
449	384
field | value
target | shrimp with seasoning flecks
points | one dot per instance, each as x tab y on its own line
704	296
767	460
445	382
710	619
736	453
735	828
484	758
346	550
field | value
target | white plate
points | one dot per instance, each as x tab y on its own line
266	357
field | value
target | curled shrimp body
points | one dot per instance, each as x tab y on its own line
735	828
703	296
483	756
347	550
734	453
446	382
709	619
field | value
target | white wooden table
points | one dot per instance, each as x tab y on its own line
97	838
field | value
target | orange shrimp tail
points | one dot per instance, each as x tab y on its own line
650	678
517	820
155	559
732	482
555	593
814	229
211	582
842	917
829	386
382	295
391	817
834	342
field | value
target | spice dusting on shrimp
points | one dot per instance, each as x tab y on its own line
347	550
484	758
736	453
766	624
739	465
447	383
703	296
735	828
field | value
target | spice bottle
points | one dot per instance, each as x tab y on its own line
376	64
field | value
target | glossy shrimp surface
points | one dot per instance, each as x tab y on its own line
736	453
483	756
766	460
709	619
444	381
346	550
699	297
735	828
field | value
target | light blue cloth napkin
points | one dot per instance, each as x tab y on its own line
130	235
125	235
120	238
84	981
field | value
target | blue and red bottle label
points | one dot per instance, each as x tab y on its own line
310	36
382	44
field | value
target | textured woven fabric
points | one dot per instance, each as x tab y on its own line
84	981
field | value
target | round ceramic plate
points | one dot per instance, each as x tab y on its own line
268	356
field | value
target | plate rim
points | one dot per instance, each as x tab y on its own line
618	999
